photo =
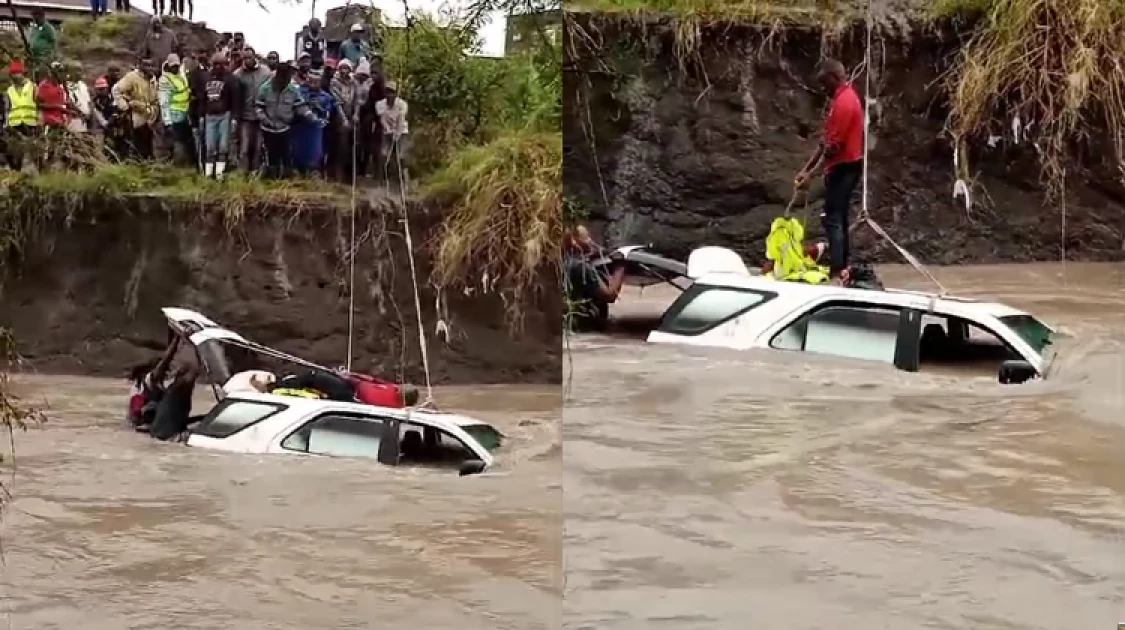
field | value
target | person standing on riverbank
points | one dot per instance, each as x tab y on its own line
174	95
136	94
224	100
392	112
42	38
279	106
841	154
23	115
251	77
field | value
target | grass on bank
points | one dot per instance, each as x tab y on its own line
506	221
1053	64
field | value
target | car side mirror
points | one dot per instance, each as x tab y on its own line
1016	372
471	467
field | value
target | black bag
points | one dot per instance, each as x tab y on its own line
331	385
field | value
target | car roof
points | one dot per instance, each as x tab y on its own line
430	417
892	297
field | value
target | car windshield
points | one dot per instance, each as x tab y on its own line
485	435
1034	332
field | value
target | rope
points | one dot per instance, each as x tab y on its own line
864	214
429	401
353	252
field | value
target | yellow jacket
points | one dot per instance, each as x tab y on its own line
137	94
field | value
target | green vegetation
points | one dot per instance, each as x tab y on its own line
487	145
15	414
1054	64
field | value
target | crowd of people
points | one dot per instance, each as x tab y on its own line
217	108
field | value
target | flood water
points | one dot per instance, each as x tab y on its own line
708	489
111	530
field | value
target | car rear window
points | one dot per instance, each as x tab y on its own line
231	416
702	308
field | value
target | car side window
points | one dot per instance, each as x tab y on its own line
337	435
854	331
429	445
702	308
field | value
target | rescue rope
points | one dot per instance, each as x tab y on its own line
864	215
352	253
429	401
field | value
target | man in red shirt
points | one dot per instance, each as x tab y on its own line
841	153
54	108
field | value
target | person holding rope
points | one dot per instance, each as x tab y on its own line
392	111
841	155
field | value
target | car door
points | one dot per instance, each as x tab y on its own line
344	433
850	329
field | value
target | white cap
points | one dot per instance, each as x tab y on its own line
357	28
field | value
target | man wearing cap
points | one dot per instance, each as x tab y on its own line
392	112
311	42
23	113
174	94
355	49
136	93
345	90
160	42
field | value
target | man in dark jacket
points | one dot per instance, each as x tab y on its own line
251	76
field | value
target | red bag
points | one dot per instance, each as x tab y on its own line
375	391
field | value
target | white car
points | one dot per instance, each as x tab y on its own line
733	308
268	423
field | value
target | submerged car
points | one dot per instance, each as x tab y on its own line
268	423
727	306
256	422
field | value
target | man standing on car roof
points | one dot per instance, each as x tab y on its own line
841	152
588	295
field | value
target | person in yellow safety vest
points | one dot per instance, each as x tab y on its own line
174	92
786	251
22	114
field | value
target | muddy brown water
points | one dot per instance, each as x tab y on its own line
111	530
710	489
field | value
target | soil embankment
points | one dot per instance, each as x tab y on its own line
681	150
84	294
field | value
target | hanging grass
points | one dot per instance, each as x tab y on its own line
1055	66
505	227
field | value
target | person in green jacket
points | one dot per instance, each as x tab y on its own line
42	38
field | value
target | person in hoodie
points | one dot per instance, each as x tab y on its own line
251	76
279	106
160	42
223	109
345	90
308	135
174	95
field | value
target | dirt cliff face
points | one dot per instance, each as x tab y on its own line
680	153
84	296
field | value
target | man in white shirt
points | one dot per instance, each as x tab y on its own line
392	112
